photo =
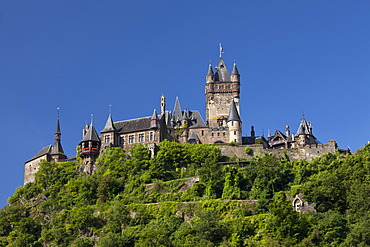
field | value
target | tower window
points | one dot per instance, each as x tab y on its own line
107	139
218	134
234	132
202	132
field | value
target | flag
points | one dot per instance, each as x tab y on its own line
221	49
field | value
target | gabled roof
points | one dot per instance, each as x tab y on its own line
233	113
44	151
91	135
133	125
109	126
278	135
222	74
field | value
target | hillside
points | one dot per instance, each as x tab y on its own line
184	197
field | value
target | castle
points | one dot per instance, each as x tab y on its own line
223	125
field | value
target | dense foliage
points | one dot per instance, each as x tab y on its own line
184	197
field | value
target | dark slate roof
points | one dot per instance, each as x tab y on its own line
222	74
304	128
57	131
177	114
91	135
196	120
210	70
57	148
133	125
278	134
154	116
233	113
235	70
42	152
109	126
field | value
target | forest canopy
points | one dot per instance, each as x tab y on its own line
187	196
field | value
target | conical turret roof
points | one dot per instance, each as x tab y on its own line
304	128
233	113
109	125
235	70
210	70
154	116
91	135
57	148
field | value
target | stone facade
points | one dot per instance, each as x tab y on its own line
307	152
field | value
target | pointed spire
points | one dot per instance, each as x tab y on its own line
57	131
109	125
235	70
210	70
177	114
304	128
57	149
154	116
233	114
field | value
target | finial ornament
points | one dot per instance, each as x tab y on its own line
92	118
58	111
110	108
221	49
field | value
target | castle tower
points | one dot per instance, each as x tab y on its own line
89	150
235	124
109	133
57	153
221	88
304	134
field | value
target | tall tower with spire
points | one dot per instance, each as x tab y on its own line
221	89
57	153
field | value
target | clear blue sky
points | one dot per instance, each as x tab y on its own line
293	57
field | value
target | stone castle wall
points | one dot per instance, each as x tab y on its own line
302	153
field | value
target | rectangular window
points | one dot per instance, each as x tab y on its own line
131	139
107	139
141	137
151	136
